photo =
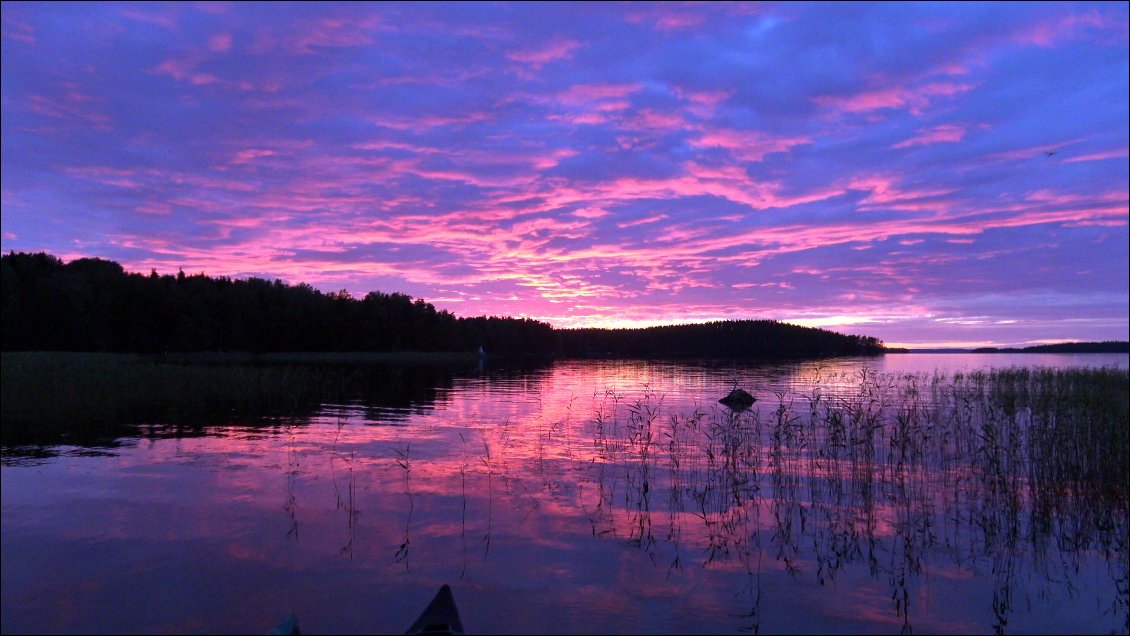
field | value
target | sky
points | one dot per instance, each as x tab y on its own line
929	174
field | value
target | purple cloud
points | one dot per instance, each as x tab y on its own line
927	174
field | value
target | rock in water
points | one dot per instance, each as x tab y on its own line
738	400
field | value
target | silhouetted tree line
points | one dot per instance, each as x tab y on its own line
723	339
92	304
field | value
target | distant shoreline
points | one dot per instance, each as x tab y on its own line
1110	346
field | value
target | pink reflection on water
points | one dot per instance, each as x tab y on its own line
597	496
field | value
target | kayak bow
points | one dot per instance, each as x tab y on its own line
439	617
289	627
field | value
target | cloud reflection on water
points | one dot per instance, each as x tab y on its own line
573	494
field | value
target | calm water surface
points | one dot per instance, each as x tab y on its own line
586	496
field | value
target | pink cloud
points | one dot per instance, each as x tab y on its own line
674	22
72	105
887	194
439	76
581	119
702	104
1058	198
519	159
643	221
116	177
914	99
155	208
251	154
665	18
520	253
590	213
585	104
417	122
432	121
586	94
1098	156
1097	213
730	182
747	145
648	119
309	36
164	20
17	30
335	32
212	7
459	174
1071	27
951	68
220	43
545	161
157	180
945	133
377	146
185	70
703	98
557	49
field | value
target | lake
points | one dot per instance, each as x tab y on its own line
910	492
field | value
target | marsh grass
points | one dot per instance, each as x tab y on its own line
1005	470
1010	475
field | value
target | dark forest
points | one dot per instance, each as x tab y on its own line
92	304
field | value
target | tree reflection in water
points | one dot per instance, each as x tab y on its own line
862	501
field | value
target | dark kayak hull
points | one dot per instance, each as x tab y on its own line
439	617
289	627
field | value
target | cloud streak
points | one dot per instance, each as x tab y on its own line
892	172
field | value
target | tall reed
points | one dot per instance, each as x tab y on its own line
1020	468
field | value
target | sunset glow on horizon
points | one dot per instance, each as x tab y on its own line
932	175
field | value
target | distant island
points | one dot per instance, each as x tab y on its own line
1108	346
750	338
92	304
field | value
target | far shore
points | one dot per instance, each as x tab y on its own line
1111	346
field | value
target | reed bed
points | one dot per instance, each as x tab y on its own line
1006	470
1012	475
